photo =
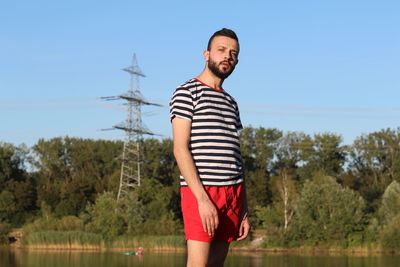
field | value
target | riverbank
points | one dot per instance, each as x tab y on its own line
82	241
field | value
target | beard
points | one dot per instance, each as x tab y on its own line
222	74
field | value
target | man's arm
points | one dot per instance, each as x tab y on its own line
208	212
245	223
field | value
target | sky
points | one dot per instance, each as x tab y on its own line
309	66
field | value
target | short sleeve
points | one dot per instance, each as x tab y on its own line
181	104
239	125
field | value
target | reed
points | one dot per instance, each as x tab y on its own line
162	242
63	240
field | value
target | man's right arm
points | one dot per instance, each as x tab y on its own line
208	212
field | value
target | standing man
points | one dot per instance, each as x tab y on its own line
205	121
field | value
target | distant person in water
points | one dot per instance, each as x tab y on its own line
205	121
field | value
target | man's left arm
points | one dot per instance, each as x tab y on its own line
244	228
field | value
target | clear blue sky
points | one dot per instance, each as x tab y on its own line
311	66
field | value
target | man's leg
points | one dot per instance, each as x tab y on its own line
198	252
217	254
201	254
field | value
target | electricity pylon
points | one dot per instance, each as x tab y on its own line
134	130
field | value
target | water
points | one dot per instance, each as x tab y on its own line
24	258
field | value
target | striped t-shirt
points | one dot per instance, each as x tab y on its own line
214	141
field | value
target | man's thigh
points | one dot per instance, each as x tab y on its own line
206	253
198	253
217	254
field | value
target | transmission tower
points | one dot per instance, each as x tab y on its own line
134	130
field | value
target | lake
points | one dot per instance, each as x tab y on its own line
25	258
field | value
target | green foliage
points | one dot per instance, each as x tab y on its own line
48	222
156	201
70	176
12	160
390	206
7	205
390	234
270	219
71	171
104	218
165	225
322	154
17	193
131	210
389	217
375	158
266	216
5	229
327	212
257	149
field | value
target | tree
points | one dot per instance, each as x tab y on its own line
131	209
327	212
285	181
12	161
324	154
390	206
104	218
17	192
258	150
375	159
71	171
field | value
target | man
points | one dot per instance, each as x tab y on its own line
205	121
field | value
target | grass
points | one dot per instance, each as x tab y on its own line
63	240
75	240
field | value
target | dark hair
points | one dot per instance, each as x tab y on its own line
224	32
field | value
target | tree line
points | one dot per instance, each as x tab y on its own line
304	190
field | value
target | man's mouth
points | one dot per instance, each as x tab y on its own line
225	64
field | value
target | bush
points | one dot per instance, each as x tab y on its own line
390	234
390	206
389	217
67	223
328	212
5	229
104	218
70	223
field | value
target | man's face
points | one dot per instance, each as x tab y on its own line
222	56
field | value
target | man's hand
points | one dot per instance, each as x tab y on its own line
208	215
244	228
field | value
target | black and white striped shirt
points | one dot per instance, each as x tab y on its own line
214	141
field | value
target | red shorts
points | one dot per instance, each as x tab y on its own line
229	201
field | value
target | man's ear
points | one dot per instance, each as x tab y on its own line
206	55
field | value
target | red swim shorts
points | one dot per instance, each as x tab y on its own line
229	202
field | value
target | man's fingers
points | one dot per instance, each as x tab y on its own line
204	222
216	222
244	230
240	232
210	227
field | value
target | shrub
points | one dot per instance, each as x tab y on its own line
327	211
5	229
390	234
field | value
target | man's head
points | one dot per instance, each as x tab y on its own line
222	53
